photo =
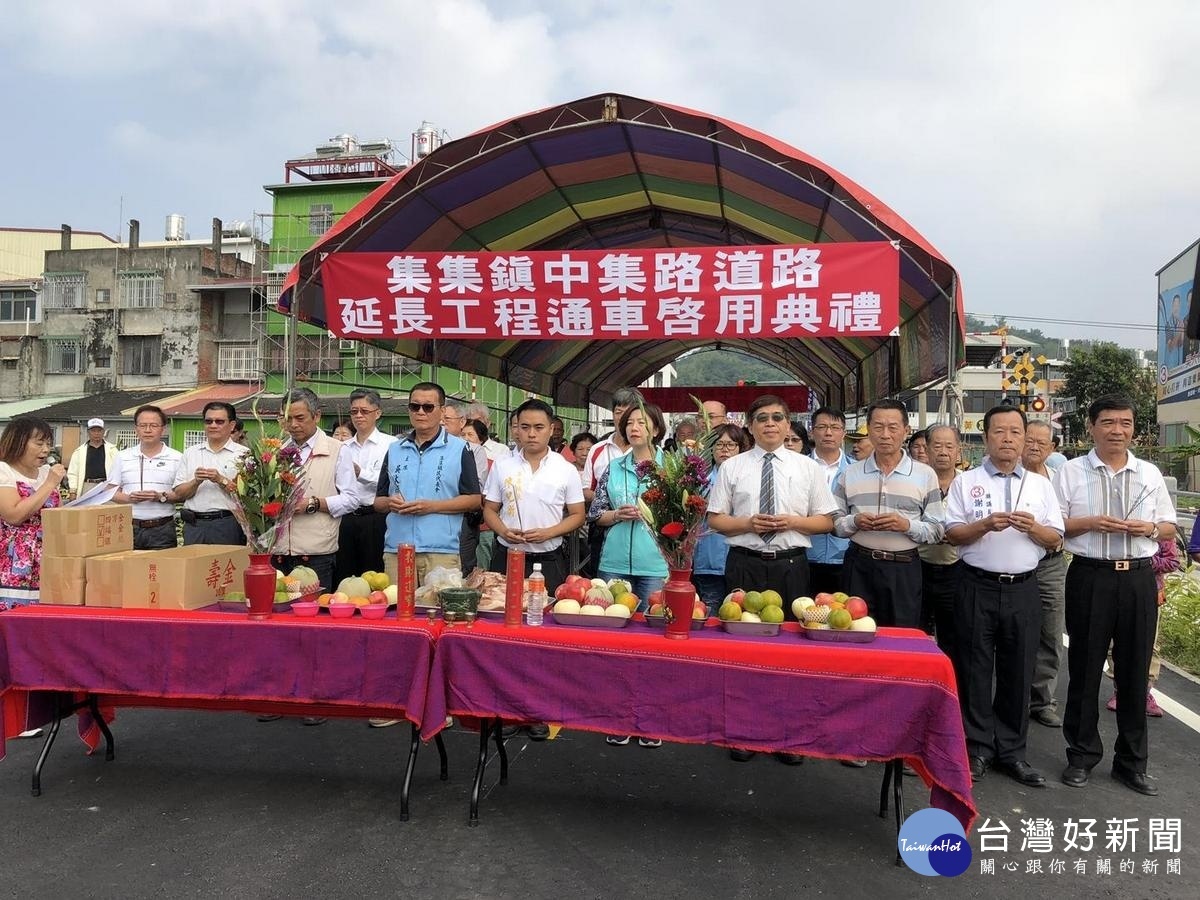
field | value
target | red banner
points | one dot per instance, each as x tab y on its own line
774	291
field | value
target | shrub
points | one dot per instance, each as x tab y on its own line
1179	619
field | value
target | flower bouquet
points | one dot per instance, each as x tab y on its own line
674	503
266	491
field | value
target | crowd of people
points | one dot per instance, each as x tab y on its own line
977	557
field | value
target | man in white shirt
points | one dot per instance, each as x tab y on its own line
526	496
479	412
202	478
768	502
144	475
1003	518
1117	508
361	530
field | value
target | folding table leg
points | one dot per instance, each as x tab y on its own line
485	733
413	746
500	749
109	750
897	766
55	722
445	763
883	789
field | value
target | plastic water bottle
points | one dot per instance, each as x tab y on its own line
535	605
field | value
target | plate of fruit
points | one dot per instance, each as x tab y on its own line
835	617
751	612
589	615
656	615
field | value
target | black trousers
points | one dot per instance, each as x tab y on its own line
225	530
787	575
360	545
939	592
997	632
554	564
824	578
892	589
1102	605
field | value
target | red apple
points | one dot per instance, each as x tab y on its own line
823	599
655	599
377	597
700	610
857	607
738	597
656	609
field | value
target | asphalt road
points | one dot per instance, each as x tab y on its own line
219	805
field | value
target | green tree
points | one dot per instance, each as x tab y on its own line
725	367
1105	368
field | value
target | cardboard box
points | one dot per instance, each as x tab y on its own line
63	580
87	531
106	578
182	577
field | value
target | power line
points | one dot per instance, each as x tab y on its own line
1133	326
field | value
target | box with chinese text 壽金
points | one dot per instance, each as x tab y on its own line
182	577
106	578
88	530
62	580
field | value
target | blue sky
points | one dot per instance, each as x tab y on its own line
1048	149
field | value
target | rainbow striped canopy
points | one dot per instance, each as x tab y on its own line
613	171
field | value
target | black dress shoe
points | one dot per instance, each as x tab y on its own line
741	755
1135	781
1047	716
789	759
979	767
1022	772
1075	776
538	732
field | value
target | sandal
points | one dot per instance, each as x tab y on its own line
649	742
617	740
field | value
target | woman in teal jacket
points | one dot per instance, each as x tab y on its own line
629	551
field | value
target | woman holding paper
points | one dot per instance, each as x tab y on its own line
27	486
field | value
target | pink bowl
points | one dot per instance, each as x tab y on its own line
342	610
374	610
305	608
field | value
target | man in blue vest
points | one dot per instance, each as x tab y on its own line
428	482
828	550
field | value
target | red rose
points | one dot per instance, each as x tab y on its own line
672	530
272	509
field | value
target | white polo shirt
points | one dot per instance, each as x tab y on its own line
977	493
801	489
541	495
1087	487
134	471
368	455
209	497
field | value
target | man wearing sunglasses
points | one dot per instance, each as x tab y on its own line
889	503
769	502
144	475
428	483
201	478
360	532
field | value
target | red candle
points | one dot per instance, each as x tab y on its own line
514	588
406	595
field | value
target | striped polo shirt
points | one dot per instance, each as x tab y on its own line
911	489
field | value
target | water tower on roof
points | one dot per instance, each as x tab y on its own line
425	140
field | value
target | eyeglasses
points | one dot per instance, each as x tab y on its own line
770	417
793	439
361	410
422	407
726	445
833	427
215	421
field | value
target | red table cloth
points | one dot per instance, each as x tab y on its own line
210	659
892	698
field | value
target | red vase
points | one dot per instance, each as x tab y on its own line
259	580
680	596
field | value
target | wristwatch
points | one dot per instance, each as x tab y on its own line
162	497
313	505
1153	535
